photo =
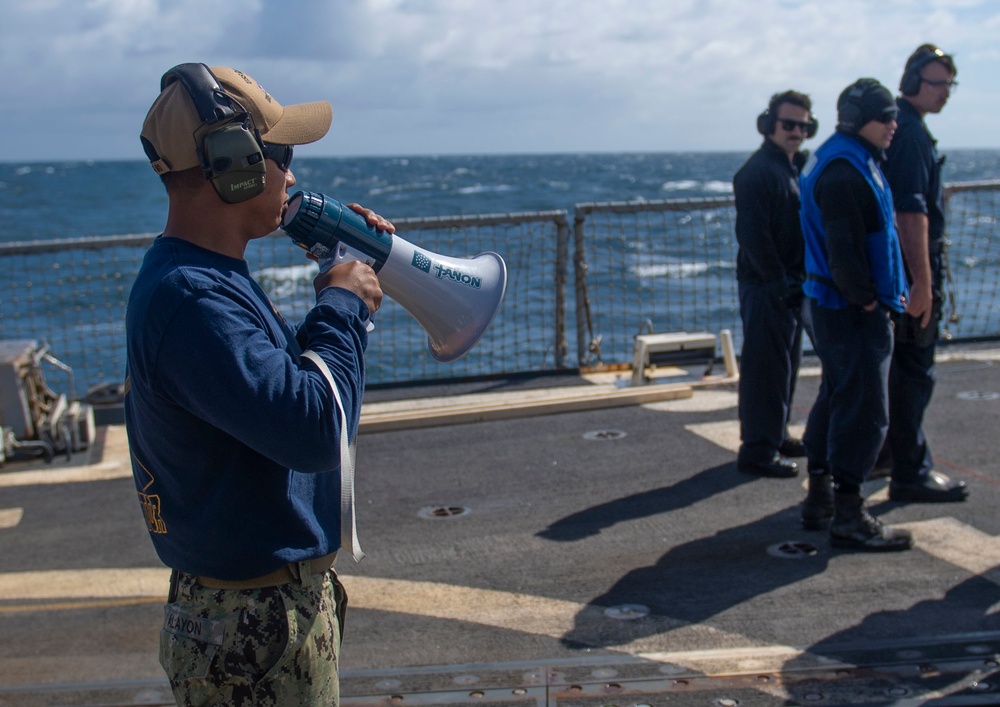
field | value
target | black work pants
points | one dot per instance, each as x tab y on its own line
848	422
769	367
911	384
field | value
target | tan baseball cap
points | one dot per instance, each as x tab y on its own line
170	125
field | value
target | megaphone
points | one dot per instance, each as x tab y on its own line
453	299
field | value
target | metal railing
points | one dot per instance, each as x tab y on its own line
658	266
72	294
670	265
666	265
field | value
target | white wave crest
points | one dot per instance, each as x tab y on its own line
484	188
394	188
672	270
718	187
285	281
680	185
714	186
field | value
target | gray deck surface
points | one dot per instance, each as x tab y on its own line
589	557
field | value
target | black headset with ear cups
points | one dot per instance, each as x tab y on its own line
909	84
849	112
228	143
768	120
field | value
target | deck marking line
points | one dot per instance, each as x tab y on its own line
726	434
10	517
489	607
104	471
959	544
73	605
85	584
947	539
521	613
701	401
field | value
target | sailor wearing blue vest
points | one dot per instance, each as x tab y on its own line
854	279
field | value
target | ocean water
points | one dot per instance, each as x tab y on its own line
47	200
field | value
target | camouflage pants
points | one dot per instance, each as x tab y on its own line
270	647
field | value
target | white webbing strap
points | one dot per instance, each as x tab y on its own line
348	516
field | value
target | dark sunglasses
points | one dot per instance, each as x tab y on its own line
789	125
887	116
281	154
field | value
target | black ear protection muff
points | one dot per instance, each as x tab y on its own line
909	84
768	120
229	146
849	112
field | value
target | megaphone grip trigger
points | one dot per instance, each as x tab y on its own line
342	256
343	253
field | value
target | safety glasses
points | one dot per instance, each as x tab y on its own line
951	84
281	154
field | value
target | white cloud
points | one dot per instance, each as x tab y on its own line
410	77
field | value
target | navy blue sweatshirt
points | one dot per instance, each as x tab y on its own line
235	441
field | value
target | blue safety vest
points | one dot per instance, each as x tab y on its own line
884	256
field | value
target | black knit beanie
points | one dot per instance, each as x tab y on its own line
863	101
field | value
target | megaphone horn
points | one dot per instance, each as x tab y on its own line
453	299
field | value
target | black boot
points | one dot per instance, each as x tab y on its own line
817	509
854	528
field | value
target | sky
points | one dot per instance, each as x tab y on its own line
419	77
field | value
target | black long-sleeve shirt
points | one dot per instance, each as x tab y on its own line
768	229
850	212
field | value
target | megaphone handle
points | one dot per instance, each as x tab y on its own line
342	254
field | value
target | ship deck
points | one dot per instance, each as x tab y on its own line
556	541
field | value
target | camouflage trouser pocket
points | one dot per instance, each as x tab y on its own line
188	643
270	647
